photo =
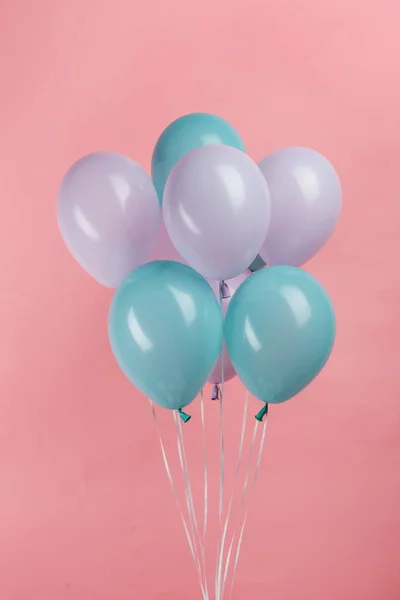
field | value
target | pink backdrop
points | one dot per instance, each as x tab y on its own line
85	509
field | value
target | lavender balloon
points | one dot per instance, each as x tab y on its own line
306	199
108	213
229	287
216	210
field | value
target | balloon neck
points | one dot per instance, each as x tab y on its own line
224	290
215	393
262	413
184	416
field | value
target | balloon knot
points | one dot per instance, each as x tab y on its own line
215	393
262	413
184	416
224	290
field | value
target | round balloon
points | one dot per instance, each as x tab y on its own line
165	330
216	210
108	215
224	367
306	199
184	135
279	332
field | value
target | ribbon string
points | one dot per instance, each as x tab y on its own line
175	494
196	537
222	294
203	426
190	504
258	426
238	466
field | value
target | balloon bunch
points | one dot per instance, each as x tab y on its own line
175	326
226	216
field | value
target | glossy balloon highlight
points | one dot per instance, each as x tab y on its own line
165	330
184	135
279	332
306	200
216	210
108	215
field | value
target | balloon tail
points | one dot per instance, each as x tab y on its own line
239	463
184	416
215	393
223	293
203	425
224	290
190	507
175	494
262	413
255	476
248	468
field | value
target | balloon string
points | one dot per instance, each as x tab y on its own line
221	413
228	560
179	440
190	503
203	425
257	468
238	466
175	494
220	547
247	476
222	458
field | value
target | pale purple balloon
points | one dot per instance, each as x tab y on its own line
306	199
216	209
109	214
231	285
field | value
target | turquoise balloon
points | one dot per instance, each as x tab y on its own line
184	135
279	332
165	329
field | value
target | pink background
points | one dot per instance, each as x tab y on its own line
85	509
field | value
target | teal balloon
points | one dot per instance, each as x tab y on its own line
184	135
165	330
279	332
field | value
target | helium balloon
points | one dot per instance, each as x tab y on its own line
306	199
224	296
108	215
184	135
165	330
279	332
216	210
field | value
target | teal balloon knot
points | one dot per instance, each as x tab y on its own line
184	416
257	264
262	413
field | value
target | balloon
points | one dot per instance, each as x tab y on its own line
216	210
279	331
257	264
306	199
184	135
230	287
108	215
165	329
